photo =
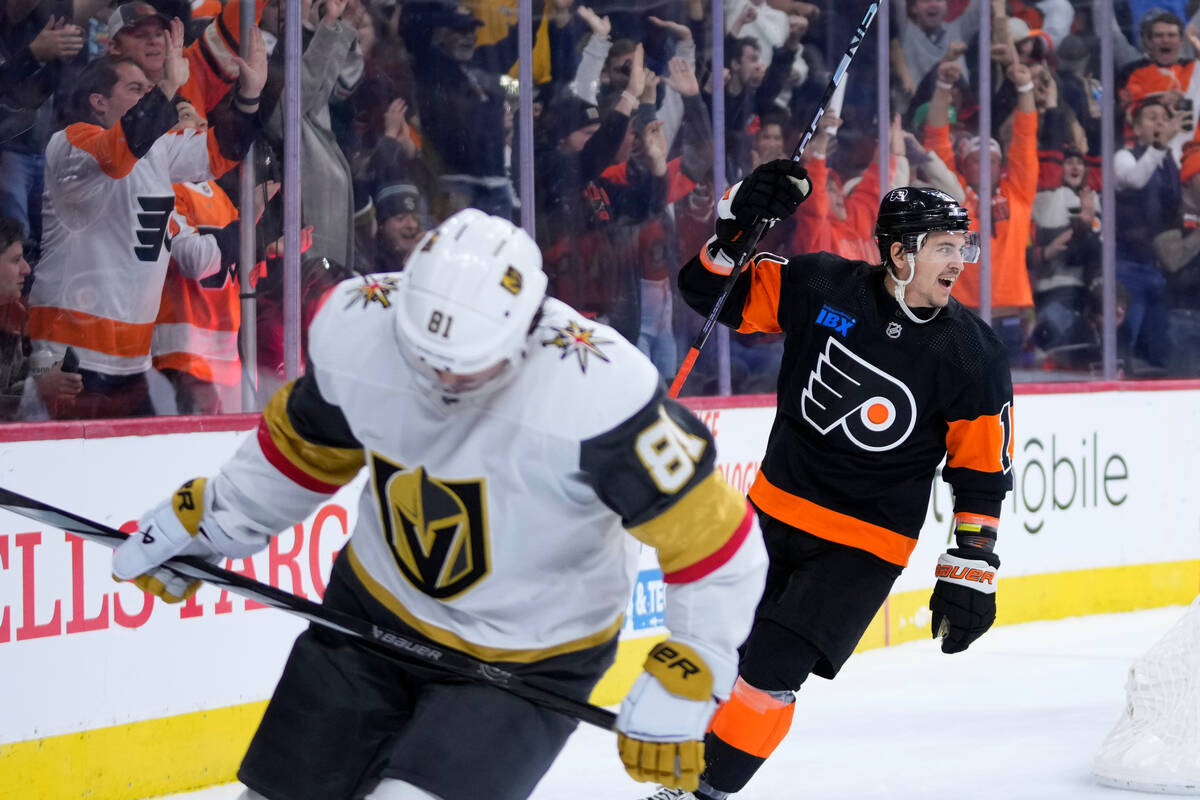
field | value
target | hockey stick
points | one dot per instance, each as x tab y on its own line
381	639
760	226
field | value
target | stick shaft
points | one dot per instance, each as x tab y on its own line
395	644
760	226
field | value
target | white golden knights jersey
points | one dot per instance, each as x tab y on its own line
501	526
869	402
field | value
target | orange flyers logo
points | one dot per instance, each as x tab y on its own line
874	410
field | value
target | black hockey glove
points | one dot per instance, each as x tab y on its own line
964	597
774	190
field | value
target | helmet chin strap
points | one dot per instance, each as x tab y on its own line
900	286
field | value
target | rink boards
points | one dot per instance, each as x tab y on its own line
104	695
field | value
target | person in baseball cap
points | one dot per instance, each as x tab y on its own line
450	15
574	115
398	210
135	30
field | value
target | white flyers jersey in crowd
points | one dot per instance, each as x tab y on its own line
501	526
105	245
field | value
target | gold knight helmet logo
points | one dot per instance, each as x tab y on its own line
436	529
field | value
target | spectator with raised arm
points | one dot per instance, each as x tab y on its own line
922	35
1164	71
35	51
840	221
109	199
328	41
136	30
461	104
1148	203
1065	259
575	208
1015	185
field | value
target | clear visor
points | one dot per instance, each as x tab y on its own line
966	242
453	384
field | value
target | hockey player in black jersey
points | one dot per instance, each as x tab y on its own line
884	374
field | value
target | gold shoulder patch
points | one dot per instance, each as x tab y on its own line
579	341
372	291
512	280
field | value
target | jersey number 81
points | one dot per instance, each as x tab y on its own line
669	453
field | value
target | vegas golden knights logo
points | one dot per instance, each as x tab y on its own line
436	529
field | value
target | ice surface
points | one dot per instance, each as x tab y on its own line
1017	717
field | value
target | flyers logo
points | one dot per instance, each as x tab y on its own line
873	409
152	217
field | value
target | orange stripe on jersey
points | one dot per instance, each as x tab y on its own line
226	373
701	525
104	335
108	147
217	163
976	444
760	314
316	467
752	720
826	523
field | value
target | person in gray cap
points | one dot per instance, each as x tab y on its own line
137	31
398	208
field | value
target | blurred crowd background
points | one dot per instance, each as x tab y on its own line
411	110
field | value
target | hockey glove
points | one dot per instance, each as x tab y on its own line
176	527
964	597
661	727
774	190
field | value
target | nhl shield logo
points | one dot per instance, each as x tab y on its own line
893	330
435	528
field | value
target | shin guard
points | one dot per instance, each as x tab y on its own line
744	732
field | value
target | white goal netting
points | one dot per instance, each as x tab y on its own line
1155	745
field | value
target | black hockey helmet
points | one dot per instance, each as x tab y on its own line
907	212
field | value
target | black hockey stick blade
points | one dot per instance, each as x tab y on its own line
760	226
394	644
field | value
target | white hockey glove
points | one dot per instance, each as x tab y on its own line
175	527
964	598
661	727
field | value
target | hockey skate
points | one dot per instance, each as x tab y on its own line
667	793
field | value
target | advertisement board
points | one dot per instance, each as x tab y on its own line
1100	519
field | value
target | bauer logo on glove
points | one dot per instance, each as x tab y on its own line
964	597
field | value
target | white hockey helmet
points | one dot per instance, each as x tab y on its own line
469	294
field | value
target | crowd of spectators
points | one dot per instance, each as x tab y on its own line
121	127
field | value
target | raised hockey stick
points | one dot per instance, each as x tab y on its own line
760	226
394	644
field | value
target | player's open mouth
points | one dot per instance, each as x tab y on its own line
946	282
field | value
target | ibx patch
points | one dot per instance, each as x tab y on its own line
840	321
578	340
373	291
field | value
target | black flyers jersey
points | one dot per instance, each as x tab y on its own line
869	401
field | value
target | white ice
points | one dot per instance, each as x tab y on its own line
1017	717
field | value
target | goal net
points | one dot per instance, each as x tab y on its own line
1155	745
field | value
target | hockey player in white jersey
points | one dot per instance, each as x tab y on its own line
511	444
